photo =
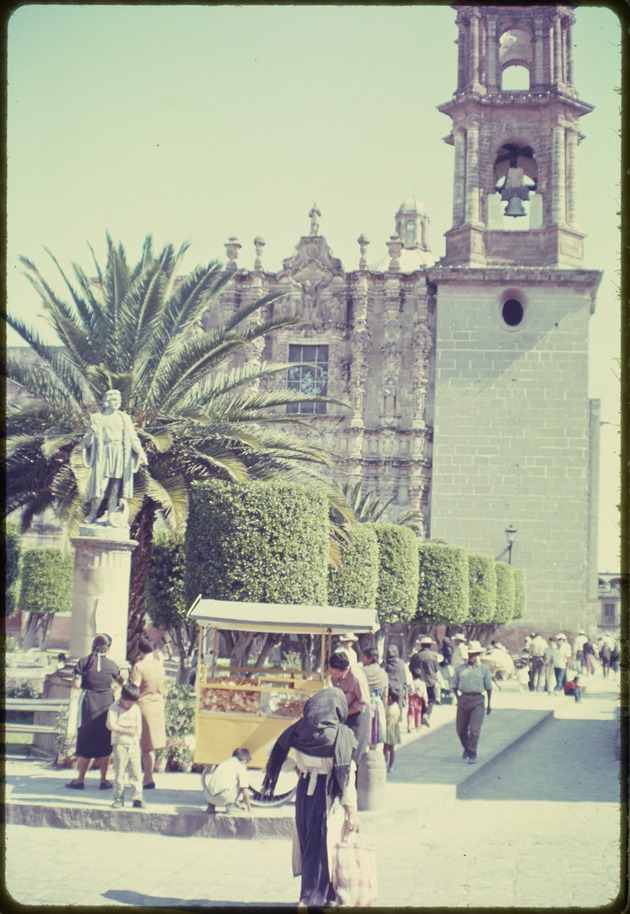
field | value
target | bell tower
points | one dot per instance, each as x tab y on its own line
515	131
514	431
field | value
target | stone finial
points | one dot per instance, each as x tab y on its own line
232	248
363	242
314	216
394	248
259	244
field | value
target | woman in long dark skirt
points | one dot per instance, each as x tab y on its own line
323	746
96	674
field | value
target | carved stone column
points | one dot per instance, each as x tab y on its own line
492	49
557	50
472	174
538	75
571	178
100	598
459	184
558	177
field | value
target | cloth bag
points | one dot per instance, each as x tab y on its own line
354	876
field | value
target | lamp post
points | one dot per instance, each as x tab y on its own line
511	536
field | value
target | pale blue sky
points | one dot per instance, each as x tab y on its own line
194	123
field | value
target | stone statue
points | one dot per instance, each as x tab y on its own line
314	216
112	450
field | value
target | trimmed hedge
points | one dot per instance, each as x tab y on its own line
397	594
264	542
520	593
482	588
13	566
166	596
505	594
355	583
47	576
443	591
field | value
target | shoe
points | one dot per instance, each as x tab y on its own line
74	785
139	804
150	786
426	722
211	809
408	730
231	809
472	759
466	754
105	785
118	802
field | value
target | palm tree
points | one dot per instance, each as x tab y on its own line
368	507
139	329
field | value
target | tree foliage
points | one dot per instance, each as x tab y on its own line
13	566
520	593
482	588
47	576
505	594
397	572
355	582
443	591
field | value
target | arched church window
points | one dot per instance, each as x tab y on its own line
515	78
309	376
410	233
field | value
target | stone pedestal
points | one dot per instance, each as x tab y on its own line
100	600
371	779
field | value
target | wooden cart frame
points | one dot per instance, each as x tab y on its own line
250	707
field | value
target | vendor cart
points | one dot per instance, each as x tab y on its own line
250	707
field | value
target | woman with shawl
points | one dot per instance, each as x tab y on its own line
323	746
378	684
396	673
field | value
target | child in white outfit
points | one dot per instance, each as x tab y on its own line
125	722
229	782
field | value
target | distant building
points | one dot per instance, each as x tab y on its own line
609	601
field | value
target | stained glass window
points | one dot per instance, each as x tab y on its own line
309	377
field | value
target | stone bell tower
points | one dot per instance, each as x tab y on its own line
515	435
515	150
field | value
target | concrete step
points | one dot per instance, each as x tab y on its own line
428	771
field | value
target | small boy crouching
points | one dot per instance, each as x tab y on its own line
125	722
228	783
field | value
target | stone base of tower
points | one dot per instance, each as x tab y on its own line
551	247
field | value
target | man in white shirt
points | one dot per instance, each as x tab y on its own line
561	657
228	782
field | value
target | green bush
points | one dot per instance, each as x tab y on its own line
13	566
179	711
505	594
397	594
166	596
46	581
520	593
482	588
443	591
258	541
355	583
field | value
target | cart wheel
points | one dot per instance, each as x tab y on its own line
285	787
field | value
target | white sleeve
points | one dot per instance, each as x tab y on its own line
349	796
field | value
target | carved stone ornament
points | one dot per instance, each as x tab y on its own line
312	265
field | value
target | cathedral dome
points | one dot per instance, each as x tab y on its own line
412	205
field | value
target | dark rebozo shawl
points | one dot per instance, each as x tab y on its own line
321	732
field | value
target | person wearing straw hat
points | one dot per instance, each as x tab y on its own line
425	665
345	646
470	681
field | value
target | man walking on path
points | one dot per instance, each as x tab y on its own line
470	681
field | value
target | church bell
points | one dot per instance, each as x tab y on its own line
515	207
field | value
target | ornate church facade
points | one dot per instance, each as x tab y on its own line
466	380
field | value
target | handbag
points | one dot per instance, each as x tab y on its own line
354	876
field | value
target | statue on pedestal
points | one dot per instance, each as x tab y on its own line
112	449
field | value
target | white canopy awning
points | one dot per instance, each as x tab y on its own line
283	617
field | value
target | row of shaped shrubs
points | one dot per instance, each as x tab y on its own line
269	542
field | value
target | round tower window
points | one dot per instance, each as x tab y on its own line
512	312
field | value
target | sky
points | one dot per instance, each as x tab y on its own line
196	123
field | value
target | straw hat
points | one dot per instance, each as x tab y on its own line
348	638
475	648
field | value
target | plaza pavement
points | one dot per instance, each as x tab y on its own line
536	823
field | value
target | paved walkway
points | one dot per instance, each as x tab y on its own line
537	826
